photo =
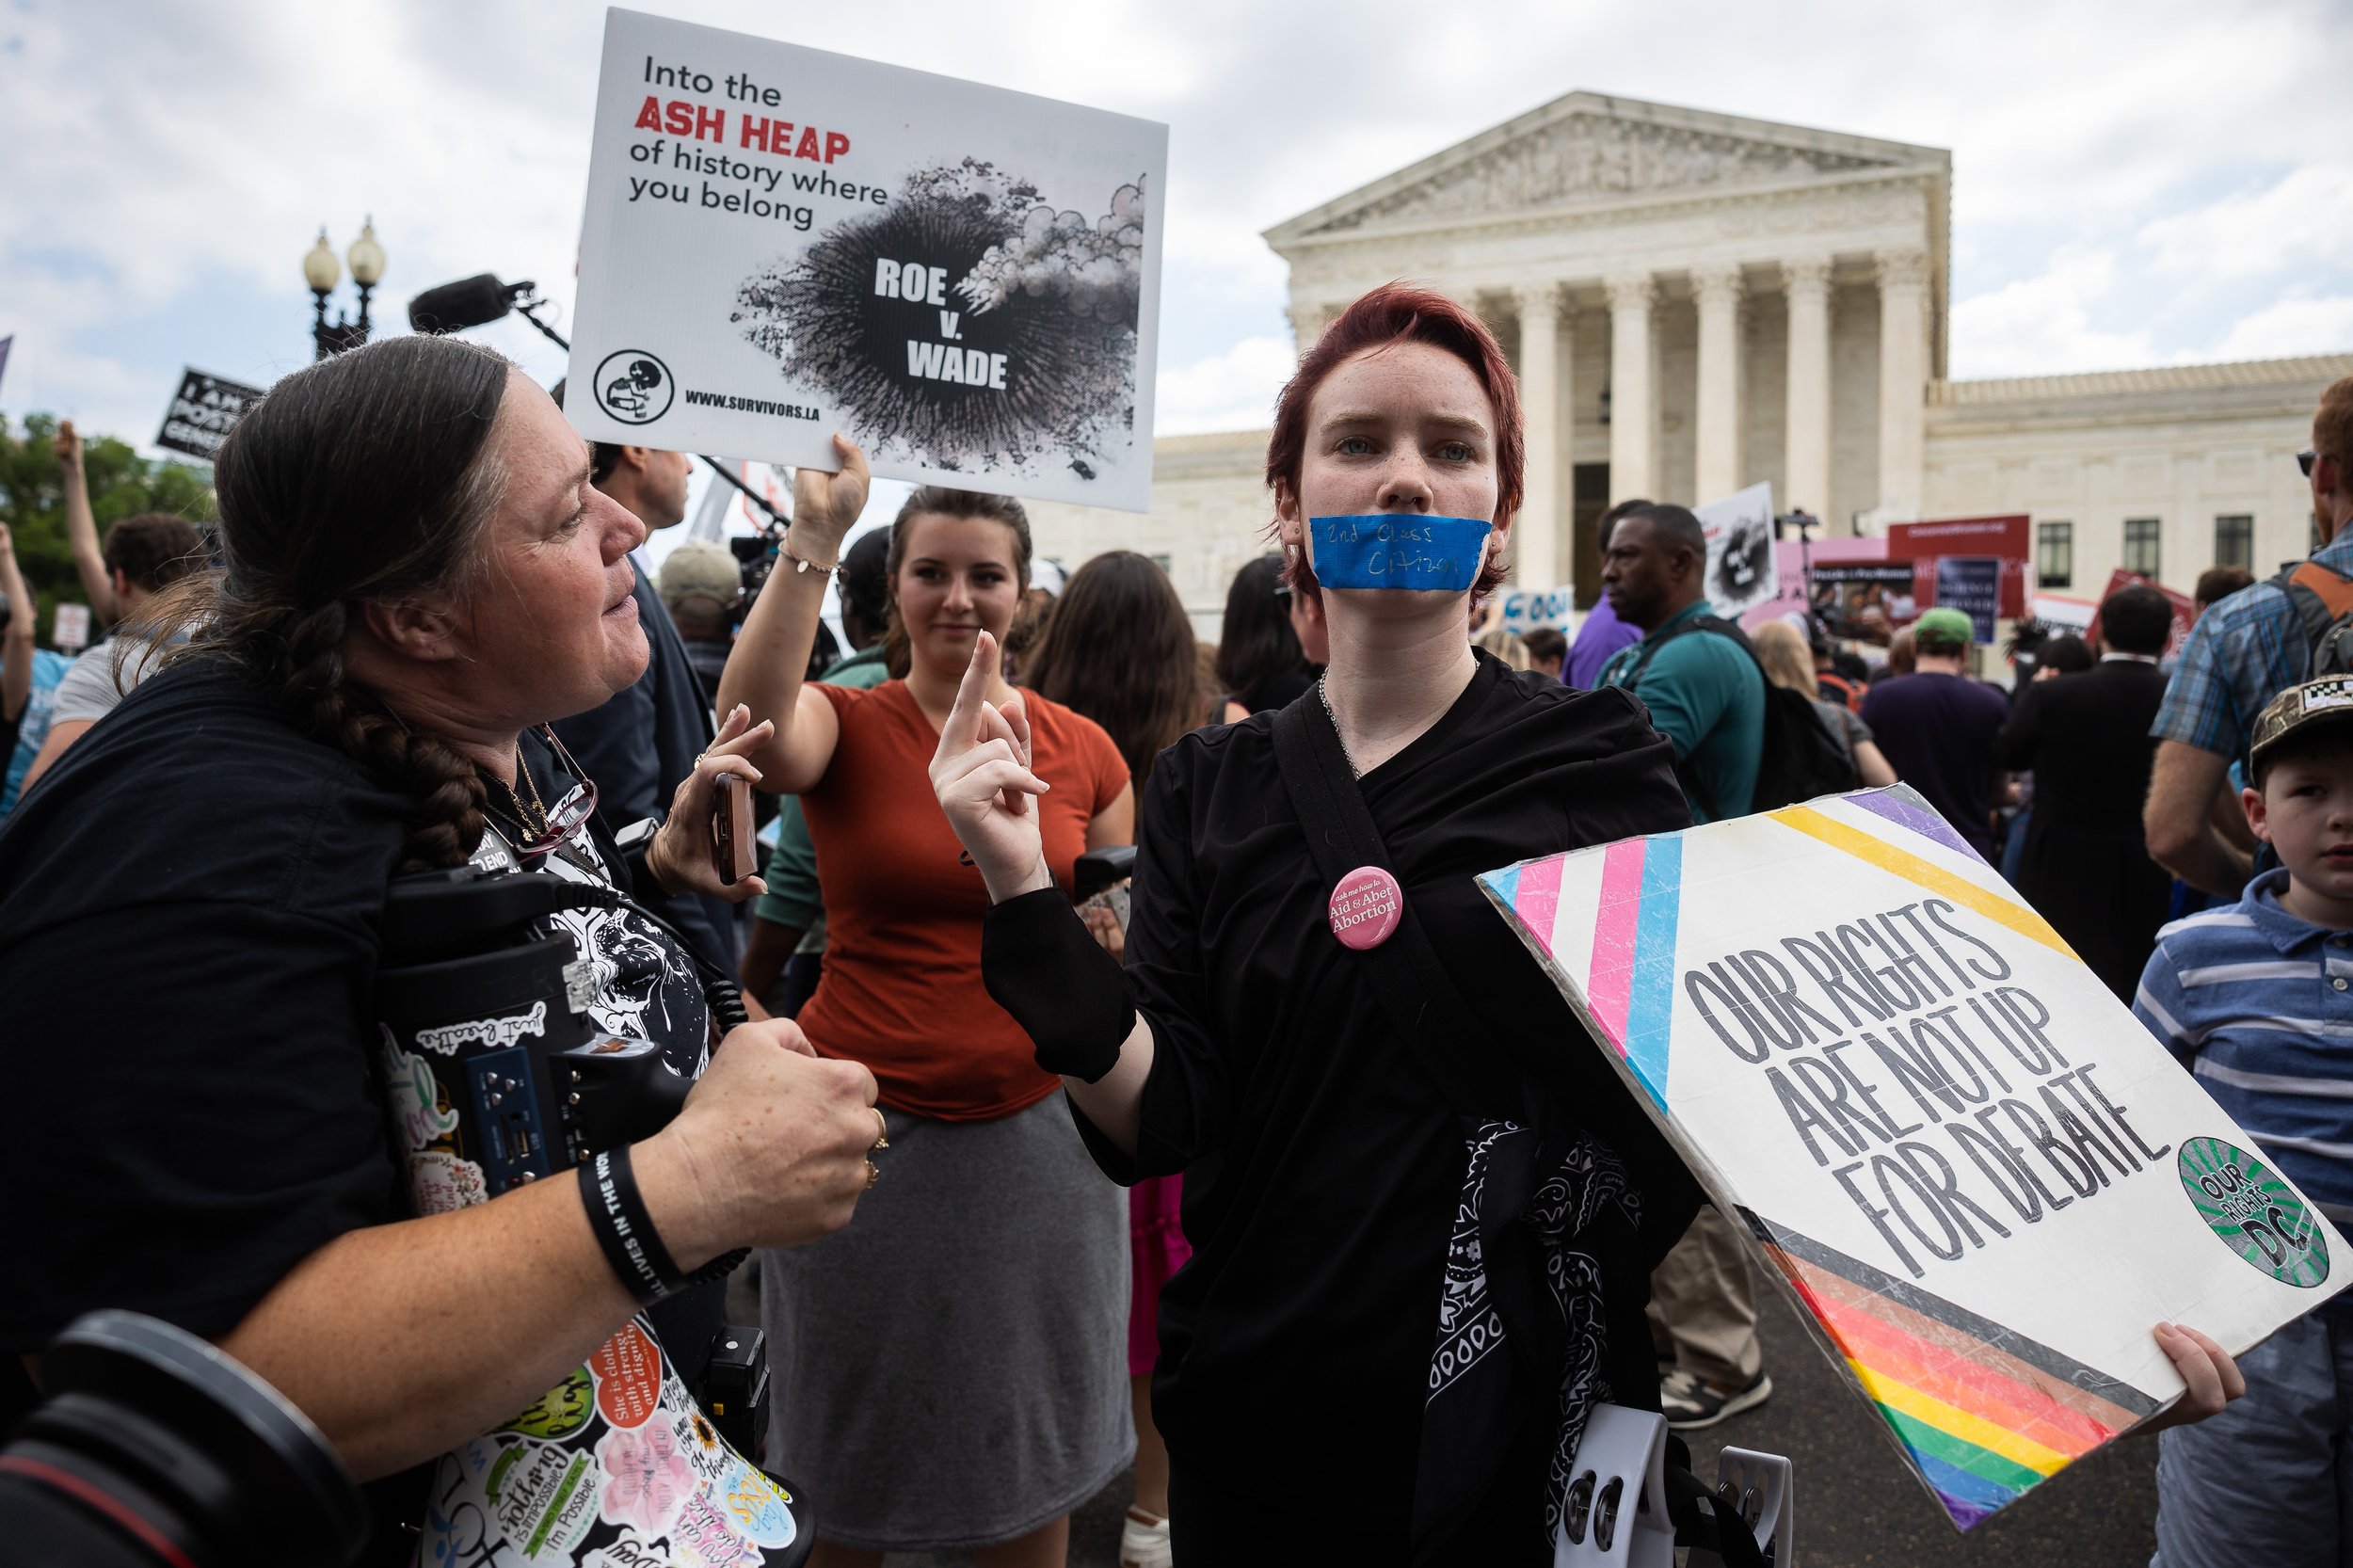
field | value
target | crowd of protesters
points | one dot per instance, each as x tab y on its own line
442	648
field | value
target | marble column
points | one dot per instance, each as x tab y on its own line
1306	326
1633	408
1537	551
1717	469
1903	277
1805	473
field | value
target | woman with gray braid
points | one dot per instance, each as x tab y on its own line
419	578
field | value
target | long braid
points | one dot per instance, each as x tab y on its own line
446	785
370	476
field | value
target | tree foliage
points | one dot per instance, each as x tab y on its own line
122	484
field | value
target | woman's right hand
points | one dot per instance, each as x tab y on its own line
827	505
770	1151
980	774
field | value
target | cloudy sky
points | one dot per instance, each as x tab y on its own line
2134	184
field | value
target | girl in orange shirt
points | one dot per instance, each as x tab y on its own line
949	1376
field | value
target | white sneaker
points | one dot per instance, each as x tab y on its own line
1144	1542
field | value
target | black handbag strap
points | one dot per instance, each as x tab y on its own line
1418	995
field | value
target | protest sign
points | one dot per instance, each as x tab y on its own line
2005	538
69	627
781	243
204	411
1739	530
2185	608
2064	612
1525	610
1865	600
1981	1179
1973	585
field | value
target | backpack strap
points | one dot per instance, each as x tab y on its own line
2321	597
1409	978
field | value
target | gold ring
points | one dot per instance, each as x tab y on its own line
873	1173
882	1125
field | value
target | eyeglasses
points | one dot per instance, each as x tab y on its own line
2305	459
568	816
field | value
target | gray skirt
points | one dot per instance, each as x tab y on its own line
949	1371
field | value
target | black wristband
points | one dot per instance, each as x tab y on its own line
617	1214
1041	966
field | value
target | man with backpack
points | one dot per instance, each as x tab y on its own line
1705	693
1741	743
2243	653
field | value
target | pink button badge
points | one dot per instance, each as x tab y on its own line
1365	907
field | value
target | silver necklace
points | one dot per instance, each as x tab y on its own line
1354	771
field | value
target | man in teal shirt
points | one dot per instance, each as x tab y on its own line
1706	695
1705	692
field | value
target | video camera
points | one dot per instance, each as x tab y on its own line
155	1449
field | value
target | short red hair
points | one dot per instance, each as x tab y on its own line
1404	312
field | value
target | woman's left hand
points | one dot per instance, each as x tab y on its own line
2214	1378
679	856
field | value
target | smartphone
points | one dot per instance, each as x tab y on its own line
734	851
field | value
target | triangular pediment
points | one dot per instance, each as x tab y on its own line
1588	149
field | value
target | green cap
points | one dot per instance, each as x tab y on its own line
2327	700
1945	624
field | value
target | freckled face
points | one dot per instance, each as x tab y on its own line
1405	427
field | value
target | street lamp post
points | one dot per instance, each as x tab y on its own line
321	271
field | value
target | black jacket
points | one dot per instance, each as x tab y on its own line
2086	867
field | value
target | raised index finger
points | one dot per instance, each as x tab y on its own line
963	730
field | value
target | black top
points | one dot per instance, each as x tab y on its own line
2085	865
1278	690
1937	732
1322	1169
189	903
641	743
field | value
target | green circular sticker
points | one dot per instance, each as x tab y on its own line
2256	1213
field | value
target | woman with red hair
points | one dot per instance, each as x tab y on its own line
1335	1380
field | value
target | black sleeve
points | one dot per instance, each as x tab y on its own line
173	1156
2022	732
1188	1096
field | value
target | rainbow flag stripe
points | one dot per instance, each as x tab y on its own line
1982	1411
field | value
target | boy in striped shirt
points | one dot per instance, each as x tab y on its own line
2256	999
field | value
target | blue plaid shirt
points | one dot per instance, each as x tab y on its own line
2243	653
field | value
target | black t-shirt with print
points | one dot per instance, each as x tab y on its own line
188	908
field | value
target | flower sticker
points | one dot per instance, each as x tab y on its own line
647	1479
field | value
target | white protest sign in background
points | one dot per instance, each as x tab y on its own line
69	627
1740	531
781	243
1982	1177
1524	609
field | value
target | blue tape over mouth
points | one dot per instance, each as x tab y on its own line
1396	550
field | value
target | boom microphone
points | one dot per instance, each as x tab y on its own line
474	301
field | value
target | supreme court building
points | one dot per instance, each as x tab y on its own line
1696	302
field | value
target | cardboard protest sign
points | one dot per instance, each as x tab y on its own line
1978	1175
204	411
1739	530
781	243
